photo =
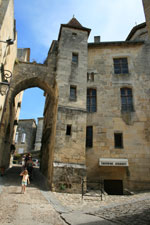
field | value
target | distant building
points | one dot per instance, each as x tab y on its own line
25	136
39	131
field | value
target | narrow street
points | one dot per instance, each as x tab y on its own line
41	207
24	209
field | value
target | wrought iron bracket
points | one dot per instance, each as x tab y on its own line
6	74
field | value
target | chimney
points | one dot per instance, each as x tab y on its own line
97	39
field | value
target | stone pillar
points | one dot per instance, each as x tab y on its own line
146	4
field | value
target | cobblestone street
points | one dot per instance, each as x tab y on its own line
123	210
40	207
135	213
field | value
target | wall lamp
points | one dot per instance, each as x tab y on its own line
4	85
5	74
9	42
4	88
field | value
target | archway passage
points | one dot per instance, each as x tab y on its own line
27	75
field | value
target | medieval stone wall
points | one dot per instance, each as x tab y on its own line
7	53
71	118
109	119
7	58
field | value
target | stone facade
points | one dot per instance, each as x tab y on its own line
110	119
7	52
25	136
97	59
96	115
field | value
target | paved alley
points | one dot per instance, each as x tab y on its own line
24	209
41	207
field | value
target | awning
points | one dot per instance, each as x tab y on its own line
113	162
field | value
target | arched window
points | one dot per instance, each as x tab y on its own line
126	100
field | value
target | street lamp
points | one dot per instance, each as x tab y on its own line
5	74
4	85
8	41
4	88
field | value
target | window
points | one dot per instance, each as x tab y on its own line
21	150
90	76
91	100
23	138
74	35
121	66
16	137
68	130
19	104
75	58
118	139
15	122
73	92
126	100
89	137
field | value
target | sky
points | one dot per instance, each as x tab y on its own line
38	23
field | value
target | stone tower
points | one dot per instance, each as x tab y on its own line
71	79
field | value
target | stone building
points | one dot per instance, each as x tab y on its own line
37	146
8	50
102	127
96	116
25	136
8	56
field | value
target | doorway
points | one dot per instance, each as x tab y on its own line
113	187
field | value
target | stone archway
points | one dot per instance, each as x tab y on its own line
27	75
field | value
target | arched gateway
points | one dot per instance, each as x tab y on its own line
64	73
27	75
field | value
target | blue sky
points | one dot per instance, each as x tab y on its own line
38	23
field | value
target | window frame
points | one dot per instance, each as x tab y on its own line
68	128
16	137
23	138
121	67
90	106
75	57
90	76
89	137
73	98
126	99
121	140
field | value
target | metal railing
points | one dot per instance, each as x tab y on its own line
92	187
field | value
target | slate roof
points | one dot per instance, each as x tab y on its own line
74	23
